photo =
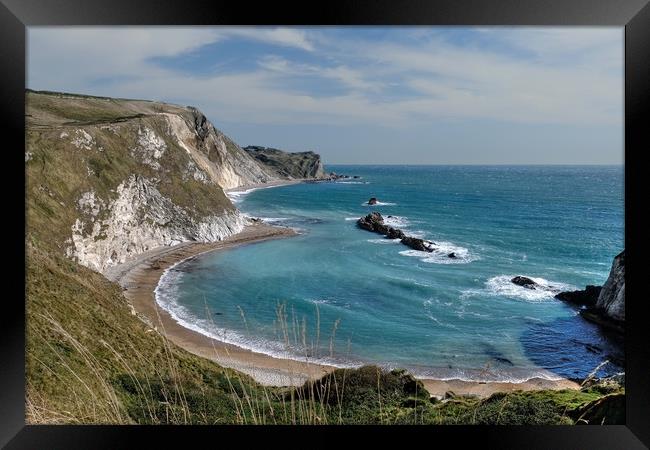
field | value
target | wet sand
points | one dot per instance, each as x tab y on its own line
140	277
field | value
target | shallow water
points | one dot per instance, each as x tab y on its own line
434	315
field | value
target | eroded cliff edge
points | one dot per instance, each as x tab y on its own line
108	179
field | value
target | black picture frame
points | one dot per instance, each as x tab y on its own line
16	15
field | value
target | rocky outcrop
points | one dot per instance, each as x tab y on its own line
375	222
587	297
138	220
603	305
611	300
372	201
371	222
418	244
395	233
524	282
285	165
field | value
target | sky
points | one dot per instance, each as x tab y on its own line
365	95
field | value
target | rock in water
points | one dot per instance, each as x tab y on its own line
372	201
373	222
381	228
417	244
524	282
587	297
451	255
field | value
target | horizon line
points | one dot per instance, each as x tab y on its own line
477	164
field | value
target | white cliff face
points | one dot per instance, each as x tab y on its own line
109	232
81	139
209	150
140	219
150	148
154	177
612	296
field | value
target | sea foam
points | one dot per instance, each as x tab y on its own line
380	204
546	290
440	255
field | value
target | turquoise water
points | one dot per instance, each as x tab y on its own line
375	300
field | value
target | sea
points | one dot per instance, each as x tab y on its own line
340	295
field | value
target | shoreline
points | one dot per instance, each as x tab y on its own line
271	184
139	279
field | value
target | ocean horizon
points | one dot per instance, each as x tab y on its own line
352	297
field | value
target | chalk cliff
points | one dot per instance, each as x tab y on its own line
108	179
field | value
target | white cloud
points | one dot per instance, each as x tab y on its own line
552	43
77	55
348	77
289	37
568	79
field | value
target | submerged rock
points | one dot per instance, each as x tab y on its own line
372	201
524	282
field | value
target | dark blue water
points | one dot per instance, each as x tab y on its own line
346	296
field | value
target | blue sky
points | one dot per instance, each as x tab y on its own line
382	95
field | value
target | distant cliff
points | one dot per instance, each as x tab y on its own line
288	165
109	178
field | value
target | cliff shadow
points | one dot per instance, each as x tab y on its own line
573	347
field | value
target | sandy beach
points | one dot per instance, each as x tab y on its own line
263	185
140	277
